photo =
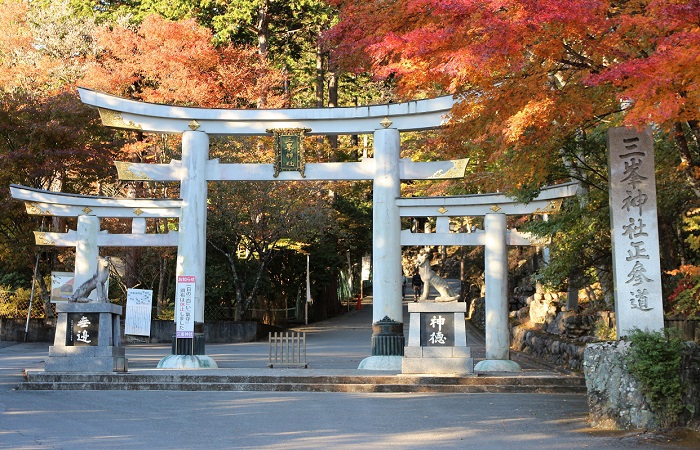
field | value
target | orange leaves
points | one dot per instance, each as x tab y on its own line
534	114
688	270
175	62
21	65
532	73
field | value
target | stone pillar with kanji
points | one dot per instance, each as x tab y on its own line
87	340
437	340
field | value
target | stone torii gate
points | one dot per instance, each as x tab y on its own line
99	348
386	170
495	237
87	237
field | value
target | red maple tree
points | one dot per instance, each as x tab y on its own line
176	62
532	73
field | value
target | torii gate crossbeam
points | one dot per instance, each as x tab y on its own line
87	237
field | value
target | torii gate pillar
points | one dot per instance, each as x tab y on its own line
86	251
388	340
496	301
192	243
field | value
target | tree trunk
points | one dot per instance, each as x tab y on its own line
319	73
332	103
162	277
318	84
263	29
695	129
355	139
262	26
687	162
605	278
45	296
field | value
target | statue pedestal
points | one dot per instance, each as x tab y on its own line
437	340
88	339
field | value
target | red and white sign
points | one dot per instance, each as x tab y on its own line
184	307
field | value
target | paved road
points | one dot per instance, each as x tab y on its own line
282	420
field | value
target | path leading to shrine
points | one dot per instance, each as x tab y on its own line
334	349
277	420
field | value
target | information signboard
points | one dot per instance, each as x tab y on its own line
139	303
184	307
61	286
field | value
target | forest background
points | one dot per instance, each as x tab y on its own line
538	84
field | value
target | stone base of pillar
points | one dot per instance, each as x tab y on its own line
187	362
381	363
88	339
190	346
189	353
497	365
387	338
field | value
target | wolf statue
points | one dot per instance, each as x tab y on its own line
431	278
97	281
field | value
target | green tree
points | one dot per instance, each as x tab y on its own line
249	223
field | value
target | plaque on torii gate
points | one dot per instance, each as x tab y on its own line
195	170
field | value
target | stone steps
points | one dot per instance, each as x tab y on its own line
309	383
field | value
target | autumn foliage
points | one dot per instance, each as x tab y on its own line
532	74
175	62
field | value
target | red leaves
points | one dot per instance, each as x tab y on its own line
659	76
532	72
176	63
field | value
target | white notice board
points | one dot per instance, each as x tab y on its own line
184	307
138	312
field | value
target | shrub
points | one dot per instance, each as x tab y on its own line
685	298
654	360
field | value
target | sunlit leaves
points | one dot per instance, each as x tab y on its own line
531	74
172	62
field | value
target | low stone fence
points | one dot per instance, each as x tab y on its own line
557	350
40	330
43	330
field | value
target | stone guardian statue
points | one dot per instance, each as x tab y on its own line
429	278
98	281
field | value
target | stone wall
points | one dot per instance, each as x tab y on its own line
41	330
477	313
690	376
615	400
549	332
614	396
554	349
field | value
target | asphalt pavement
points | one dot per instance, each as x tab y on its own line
291	420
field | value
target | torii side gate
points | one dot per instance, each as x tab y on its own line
386	170
87	237
495	237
